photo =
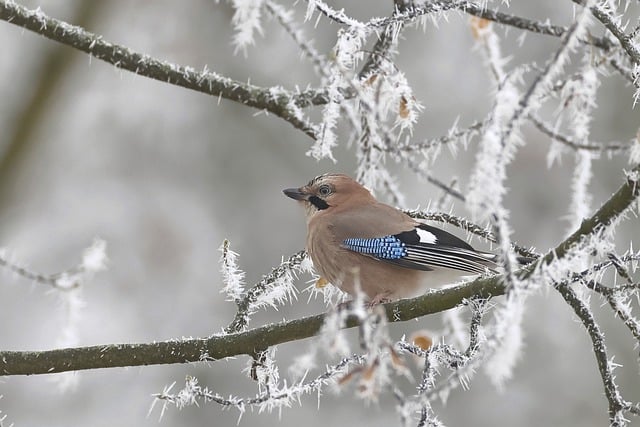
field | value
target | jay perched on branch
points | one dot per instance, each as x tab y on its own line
352	237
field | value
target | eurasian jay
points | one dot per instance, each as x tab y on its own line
351	238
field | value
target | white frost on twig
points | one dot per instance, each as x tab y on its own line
579	94
232	276
506	341
346	53
94	258
246	22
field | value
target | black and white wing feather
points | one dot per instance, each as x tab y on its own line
424	248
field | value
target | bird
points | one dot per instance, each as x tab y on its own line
362	245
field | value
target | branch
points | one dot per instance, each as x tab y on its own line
246	305
616	403
606	291
94	259
468	226
266	399
529	25
626	41
617	295
481	11
386	43
453	135
420	171
276	101
404	14
575	145
611	210
221	346
284	17
623	311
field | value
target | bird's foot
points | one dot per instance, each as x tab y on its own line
377	300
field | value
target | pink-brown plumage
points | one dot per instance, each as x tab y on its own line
339	208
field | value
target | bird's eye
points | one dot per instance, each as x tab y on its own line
324	190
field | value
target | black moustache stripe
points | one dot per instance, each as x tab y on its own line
318	203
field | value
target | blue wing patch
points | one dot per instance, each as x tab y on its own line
387	247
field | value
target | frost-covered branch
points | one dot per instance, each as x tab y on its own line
544	80
417	168
548	130
583	276
454	135
285	19
70	284
611	211
480	10
626	40
405	14
364	93
437	356
274	100
94	259
618	296
617	405
274	286
468	226
386	44
620	302
522	23
282	395
226	345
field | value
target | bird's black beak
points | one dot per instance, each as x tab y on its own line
295	194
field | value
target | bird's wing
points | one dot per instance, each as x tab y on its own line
414	245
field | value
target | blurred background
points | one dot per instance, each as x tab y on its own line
164	174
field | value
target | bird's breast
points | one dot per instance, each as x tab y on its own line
325	252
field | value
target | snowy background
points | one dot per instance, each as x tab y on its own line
164	175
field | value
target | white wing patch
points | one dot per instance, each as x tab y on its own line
426	237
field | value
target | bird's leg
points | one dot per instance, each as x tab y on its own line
381	298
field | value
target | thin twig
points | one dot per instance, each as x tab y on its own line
241	318
454	135
605	146
206	81
527	24
286	393
605	367
52	280
320	63
626	41
468	226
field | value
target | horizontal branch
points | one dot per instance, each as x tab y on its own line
479	10
276	101
258	339
592	146
222	346
529	25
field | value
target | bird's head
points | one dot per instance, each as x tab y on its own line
329	192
